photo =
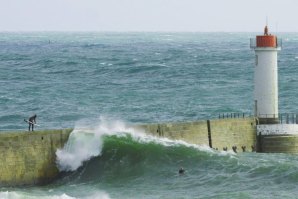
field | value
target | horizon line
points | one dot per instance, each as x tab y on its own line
133	31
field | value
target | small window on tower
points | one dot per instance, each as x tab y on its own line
256	60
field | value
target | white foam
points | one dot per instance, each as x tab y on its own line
81	146
15	195
7	195
85	143
98	195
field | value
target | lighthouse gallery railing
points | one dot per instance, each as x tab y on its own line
253	43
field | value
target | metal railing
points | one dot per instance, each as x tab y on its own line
253	43
283	118
288	118
233	115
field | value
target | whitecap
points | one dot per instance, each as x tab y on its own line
85	142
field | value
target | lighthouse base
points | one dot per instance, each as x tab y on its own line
277	138
268	120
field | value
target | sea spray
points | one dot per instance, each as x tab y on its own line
81	146
22	195
85	143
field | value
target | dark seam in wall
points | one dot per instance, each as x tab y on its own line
209	133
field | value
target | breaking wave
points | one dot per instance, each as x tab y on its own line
85	143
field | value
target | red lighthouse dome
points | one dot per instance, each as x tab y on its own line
266	40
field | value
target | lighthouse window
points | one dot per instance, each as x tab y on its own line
256	60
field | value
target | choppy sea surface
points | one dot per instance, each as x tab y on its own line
107	81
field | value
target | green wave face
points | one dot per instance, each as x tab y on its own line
134	167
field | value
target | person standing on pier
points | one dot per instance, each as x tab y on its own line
32	121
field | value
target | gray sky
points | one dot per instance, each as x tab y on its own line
148	15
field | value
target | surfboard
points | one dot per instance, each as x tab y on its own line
30	122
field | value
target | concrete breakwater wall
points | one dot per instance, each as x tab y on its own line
30	157
221	134
277	138
278	144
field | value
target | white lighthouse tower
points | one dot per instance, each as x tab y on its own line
266	78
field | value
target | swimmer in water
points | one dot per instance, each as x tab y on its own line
181	170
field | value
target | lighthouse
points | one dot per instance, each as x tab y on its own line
266	47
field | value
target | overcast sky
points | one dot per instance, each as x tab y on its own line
148	15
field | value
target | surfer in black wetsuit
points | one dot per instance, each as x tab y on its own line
32	121
181	170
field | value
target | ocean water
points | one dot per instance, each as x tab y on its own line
105	82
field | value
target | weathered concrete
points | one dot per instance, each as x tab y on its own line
29	157
229	133
277	138
278	143
222	133
191	132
